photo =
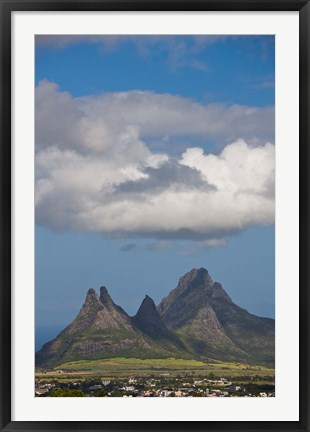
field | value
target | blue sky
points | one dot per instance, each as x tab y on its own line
154	155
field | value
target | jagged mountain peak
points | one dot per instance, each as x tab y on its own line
196	278
91	296
105	297
198	271
195	294
196	282
147	310
99	312
91	304
104	292
148	321
197	318
203	313
196	275
147	302
102	301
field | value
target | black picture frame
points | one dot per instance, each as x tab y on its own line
7	7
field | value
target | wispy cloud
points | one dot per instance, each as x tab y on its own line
159	245
181	51
266	85
258	82
191	249
128	247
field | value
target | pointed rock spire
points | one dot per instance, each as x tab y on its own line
91	296
147	305
149	321
197	318
105	297
147	311
198	276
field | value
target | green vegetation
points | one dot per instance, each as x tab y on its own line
129	363
122	367
170	377
66	392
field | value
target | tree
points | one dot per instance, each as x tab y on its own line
66	393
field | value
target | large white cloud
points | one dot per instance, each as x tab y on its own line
94	123
95	171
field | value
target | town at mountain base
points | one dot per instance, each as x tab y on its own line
197	320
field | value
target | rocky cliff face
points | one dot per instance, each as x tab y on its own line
196	320
205	317
99	313
103	329
195	290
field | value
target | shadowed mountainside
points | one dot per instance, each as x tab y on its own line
212	325
196	320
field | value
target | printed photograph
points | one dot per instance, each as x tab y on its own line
154	216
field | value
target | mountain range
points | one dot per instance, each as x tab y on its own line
197	320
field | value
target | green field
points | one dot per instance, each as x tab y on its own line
120	367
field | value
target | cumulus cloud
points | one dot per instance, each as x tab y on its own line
238	169
95	171
94	123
